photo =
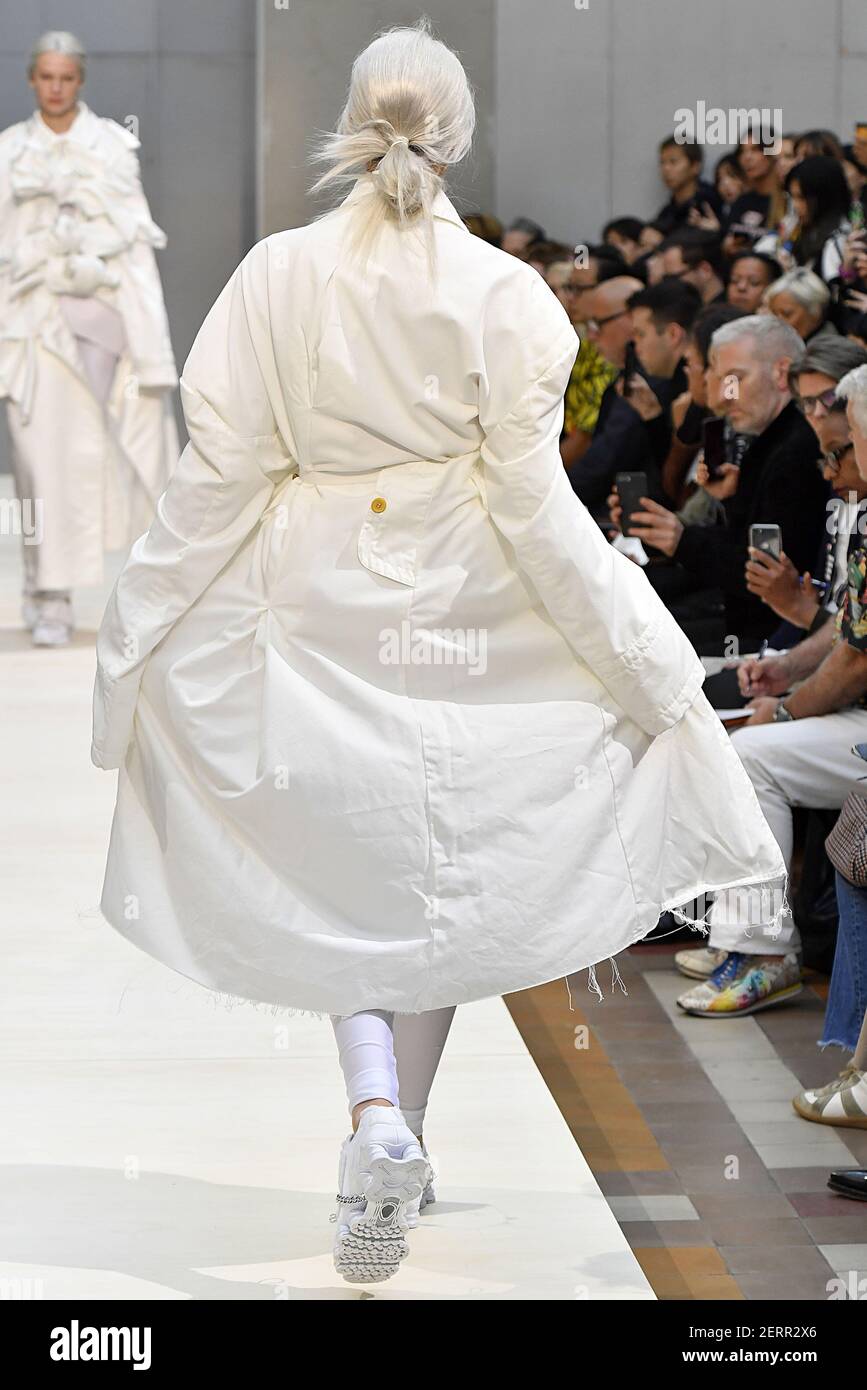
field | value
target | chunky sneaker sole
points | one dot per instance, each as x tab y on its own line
382	1171
371	1250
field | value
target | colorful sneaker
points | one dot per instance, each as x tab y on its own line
743	984
842	1102
699	964
382	1169
426	1198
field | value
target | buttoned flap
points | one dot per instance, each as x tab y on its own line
390	536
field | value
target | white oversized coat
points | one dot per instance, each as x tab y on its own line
396	726
74	221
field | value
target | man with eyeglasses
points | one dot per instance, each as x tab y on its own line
796	748
623	439
808	602
777	483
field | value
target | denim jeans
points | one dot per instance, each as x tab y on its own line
847	997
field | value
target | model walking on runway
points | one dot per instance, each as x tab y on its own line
397	728
85	356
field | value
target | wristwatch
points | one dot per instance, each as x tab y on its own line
781	714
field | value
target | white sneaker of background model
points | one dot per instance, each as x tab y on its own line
29	608
381	1165
53	625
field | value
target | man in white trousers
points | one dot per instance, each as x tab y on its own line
797	751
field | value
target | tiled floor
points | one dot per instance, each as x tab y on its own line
688	1127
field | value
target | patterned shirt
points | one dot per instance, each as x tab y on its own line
591	375
850	623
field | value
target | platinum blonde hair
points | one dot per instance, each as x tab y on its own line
58	41
771	337
409	107
804	286
853	387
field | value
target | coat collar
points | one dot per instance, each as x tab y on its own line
84	129
443	207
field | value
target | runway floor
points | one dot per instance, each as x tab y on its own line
157	1145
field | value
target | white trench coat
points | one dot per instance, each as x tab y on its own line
75	225
397	727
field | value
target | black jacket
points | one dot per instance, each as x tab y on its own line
779	482
622	442
674	216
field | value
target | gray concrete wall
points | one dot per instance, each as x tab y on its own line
586	94
186	70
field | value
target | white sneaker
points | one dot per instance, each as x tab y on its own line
382	1170
699	963
53	625
425	1199
29	609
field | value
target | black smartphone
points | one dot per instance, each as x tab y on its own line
714	444
630	488
630	365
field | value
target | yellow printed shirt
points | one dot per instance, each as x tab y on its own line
590	377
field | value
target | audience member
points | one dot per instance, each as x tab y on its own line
800	757
695	257
680	165
750	274
622	438
801	299
519	235
778	482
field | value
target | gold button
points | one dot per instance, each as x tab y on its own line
378	504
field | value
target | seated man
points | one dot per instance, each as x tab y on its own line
623	438
806	602
797	753
696	258
778	481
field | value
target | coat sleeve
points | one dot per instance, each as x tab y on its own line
222	483
601	601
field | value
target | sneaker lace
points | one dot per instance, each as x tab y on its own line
729	969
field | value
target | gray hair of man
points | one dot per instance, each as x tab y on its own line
58	41
805	287
853	388
772	339
832	357
410	108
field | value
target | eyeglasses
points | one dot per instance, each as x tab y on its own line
829	400
594	325
834	458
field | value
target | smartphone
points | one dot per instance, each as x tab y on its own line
713	444
768	538
630	365
630	487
